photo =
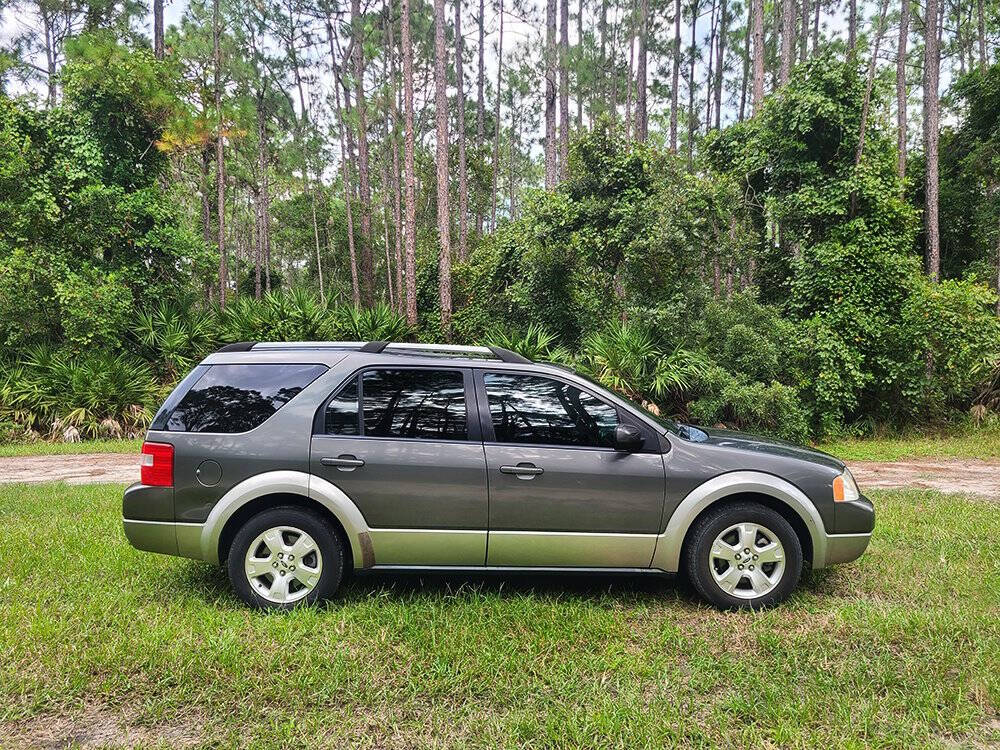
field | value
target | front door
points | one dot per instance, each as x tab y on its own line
404	445
560	494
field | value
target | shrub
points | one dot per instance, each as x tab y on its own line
767	408
296	315
378	323
95	392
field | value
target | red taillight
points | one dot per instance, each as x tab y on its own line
157	468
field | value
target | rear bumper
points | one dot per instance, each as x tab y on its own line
165	537
842	548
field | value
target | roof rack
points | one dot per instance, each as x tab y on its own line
377	347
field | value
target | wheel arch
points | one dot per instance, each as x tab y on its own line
286	488
767	489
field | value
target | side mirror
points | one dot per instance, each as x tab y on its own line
628	438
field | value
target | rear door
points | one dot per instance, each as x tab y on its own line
404	444
560	494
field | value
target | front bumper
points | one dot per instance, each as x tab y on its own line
842	548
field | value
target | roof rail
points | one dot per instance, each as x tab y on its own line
239	346
377	347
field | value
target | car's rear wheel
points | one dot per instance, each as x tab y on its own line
284	557
743	555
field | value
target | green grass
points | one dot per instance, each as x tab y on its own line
901	649
42	448
968	443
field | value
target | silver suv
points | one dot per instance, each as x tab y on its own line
293	464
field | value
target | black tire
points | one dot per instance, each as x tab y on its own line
327	542
699	565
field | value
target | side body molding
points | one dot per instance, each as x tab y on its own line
296	483
667	554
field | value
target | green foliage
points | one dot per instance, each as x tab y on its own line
97	393
534	342
296	315
378	323
740	403
173	336
628	358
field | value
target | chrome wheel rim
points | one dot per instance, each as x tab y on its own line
747	560
283	564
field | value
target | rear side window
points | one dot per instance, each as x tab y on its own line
237	398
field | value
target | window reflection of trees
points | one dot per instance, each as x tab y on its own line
530	409
415	404
237	398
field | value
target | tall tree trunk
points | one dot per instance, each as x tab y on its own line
579	64
220	155
364	182
496	120
981	33
263	230
692	117
901	98
551	177
817	5
675	77
480	103
746	63
345	158
932	63
463	179
709	76
602	75
757	9
787	39
852	25
720	60
563	89
443	210
409	175
870	82
394	143
50	57
158	29
804	31
641	107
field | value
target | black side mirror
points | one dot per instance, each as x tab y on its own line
628	438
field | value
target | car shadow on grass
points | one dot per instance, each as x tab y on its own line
212	584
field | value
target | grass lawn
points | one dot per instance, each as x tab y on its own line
102	644
967	443
42	448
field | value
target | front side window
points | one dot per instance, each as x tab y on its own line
543	411
237	398
426	404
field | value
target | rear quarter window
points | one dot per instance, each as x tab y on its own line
238	398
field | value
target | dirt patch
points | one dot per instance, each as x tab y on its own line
99	727
954	475
82	468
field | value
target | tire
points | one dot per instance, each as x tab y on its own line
297	554
722	572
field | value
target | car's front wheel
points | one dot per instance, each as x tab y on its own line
743	555
285	556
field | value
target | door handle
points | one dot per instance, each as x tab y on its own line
522	471
345	461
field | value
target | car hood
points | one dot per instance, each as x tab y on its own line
768	446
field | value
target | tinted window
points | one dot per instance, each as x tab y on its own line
531	409
426	404
237	398
343	417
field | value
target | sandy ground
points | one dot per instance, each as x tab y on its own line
83	468
967	476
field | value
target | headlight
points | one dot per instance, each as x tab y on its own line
845	489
